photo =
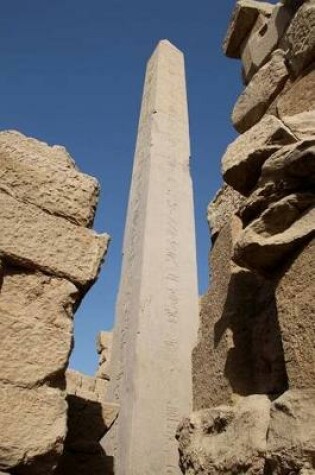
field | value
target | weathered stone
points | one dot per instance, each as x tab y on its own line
34	172
34	428
243	159
300	38
295	295
301	125
259	94
291	169
264	41
210	384
281	229
36	323
221	209
104	347
248	67
89	418
89	387
226	439
33	238
243	19
300	97
291	436
239	348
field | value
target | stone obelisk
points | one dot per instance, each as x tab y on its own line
157	307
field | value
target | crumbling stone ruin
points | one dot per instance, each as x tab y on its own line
49	257
254	364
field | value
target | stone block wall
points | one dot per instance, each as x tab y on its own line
49	258
253	366
89	418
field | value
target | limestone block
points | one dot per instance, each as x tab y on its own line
300	38
33	238
243	19
264	41
289	169
295	295
33	428
34	172
299	98
221	209
301	125
281	229
259	94
226	439
36	326
243	159
291	436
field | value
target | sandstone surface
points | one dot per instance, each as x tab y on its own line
243	19
248	67
34	425
45	176
47	256
36	323
226	439
221	209
281	229
298	98
259	94
104	347
243	159
301	125
90	416
211	386
291	436
290	169
295	295
263	42
300	38
33	238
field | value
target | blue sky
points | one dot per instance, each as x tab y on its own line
72	73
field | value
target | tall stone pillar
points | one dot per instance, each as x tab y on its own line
157	307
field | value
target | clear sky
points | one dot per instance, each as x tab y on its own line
72	73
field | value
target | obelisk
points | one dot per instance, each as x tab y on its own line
157	307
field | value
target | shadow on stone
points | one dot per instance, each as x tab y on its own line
255	360
83	454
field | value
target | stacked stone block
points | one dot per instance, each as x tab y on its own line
89	418
50	257
253	367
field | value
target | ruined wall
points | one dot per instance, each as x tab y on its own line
90	416
254	364
49	259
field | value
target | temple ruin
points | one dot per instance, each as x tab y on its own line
238	396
